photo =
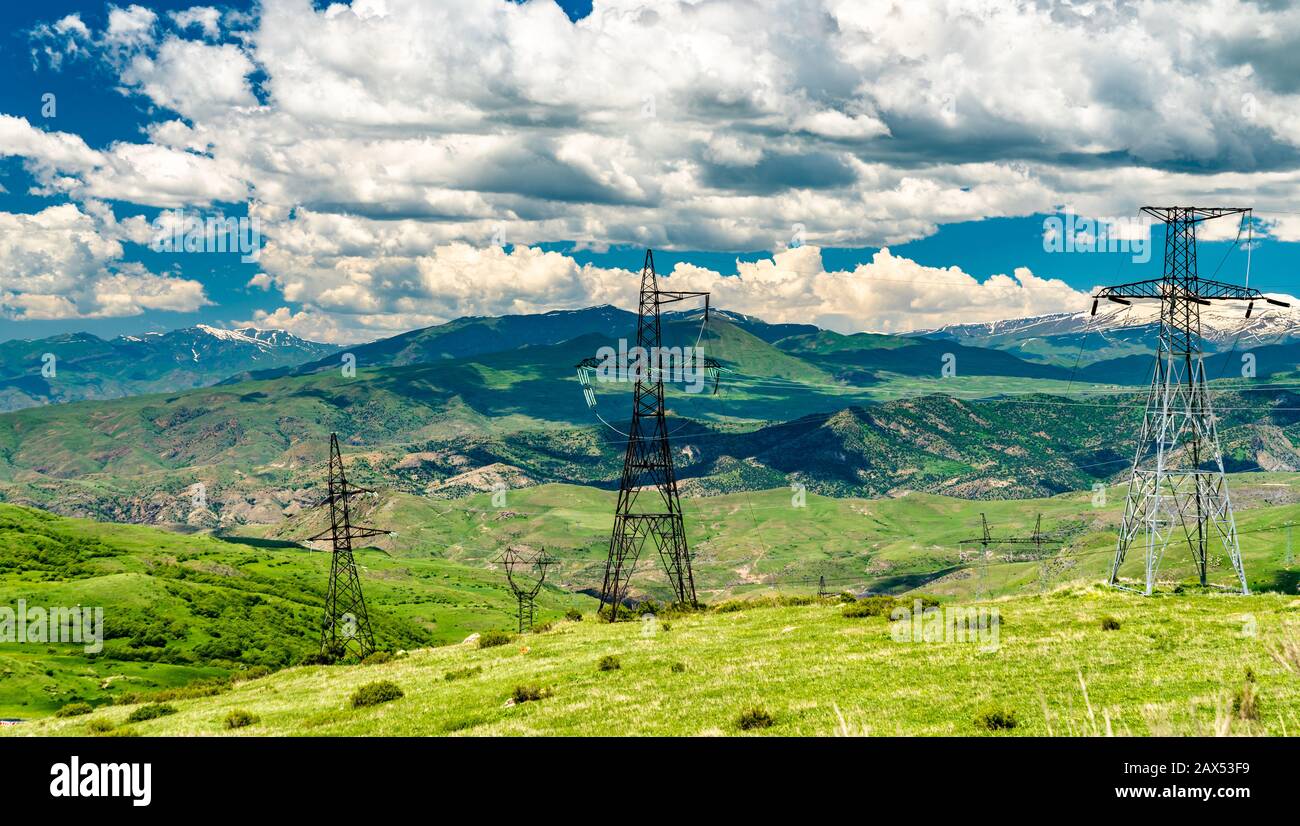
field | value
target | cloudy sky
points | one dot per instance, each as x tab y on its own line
862	165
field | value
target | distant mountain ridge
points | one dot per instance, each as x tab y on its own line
1117	331
81	366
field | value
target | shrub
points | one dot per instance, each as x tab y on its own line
1109	624
995	718
377	658
609	663
678	668
543	627
239	718
202	688
754	717
491	639
870	607
528	693
150	712
255	672
372	694
99	725
462	673
666	626
74	710
777	601
573	615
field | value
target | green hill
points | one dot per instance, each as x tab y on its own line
183	608
1172	666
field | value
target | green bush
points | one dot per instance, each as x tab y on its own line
239	718
995	718
870	607
99	725
150	712
778	601
609	663
74	710
754	717
573	615
201	688
491	639
462	673
528	693
678	668
372	694
1109	624
378	658
255	672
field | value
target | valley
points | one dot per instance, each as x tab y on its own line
840	463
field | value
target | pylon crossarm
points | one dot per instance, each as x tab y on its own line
1204	290
670	296
1191	215
355	532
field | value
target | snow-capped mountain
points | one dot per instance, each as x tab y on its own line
1118	330
79	366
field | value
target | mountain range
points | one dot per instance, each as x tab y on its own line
1117	330
81	366
463	407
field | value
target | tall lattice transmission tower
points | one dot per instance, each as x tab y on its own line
648	505
1177	486
346	625
525	572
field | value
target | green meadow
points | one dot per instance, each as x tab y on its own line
1168	665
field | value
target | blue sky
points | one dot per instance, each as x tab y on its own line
713	158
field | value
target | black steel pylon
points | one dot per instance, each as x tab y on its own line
345	627
525	572
648	464
1177	481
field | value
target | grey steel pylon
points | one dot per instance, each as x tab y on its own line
1177	482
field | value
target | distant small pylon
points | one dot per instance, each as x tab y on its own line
525	572
821	587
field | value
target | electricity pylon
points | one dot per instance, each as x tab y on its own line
346	625
987	541
1177	480
648	462
525	572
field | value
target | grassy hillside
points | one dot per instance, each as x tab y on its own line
758	543
1174	665
184	608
